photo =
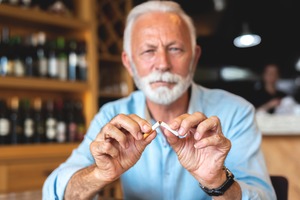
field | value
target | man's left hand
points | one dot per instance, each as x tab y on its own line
205	148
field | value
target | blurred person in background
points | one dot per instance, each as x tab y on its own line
266	96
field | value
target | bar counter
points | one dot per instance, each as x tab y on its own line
282	158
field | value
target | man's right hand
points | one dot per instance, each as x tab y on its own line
119	145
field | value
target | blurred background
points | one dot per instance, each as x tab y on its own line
60	61
274	21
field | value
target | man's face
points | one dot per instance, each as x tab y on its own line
162	58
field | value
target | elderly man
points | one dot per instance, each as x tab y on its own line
205	142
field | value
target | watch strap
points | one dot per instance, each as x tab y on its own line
223	188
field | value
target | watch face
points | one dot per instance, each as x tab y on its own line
228	172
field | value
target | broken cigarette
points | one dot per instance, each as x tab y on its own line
154	127
166	126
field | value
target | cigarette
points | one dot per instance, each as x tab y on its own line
166	126
154	127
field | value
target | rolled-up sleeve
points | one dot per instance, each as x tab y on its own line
246	158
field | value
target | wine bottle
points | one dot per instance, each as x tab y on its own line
43	5
61	127
13	2
72	60
35	4
18	64
28	122
62	61
4	1
4	49
41	57
16	123
28	55
50	122
52	60
39	122
80	121
71	123
4	123
25	3
82	62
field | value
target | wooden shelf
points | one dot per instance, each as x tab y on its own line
26	167
37	17
111	94
42	84
15	153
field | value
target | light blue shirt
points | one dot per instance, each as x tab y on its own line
158	174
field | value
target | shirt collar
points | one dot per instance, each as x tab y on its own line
194	105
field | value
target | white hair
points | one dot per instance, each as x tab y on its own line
156	6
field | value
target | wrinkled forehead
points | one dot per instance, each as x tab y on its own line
159	18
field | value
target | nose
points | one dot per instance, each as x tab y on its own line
163	61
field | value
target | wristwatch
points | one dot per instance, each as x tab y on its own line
222	189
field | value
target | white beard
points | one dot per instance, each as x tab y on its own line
162	94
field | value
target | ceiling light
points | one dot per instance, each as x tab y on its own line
219	5
233	73
298	65
246	39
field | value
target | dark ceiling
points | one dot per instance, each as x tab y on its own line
276	21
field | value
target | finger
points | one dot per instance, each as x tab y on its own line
187	123
146	134
213	140
110	132
145	127
210	125
148	137
153	129
130	124
103	148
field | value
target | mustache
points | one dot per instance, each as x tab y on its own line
157	76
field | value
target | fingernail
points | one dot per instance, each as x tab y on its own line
146	128
197	136
181	131
173	125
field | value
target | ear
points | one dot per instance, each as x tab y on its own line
197	56
126	62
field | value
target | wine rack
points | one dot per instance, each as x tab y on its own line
111	17
21	160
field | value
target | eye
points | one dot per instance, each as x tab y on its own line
148	51
175	50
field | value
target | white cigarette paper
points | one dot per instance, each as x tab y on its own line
166	126
155	126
